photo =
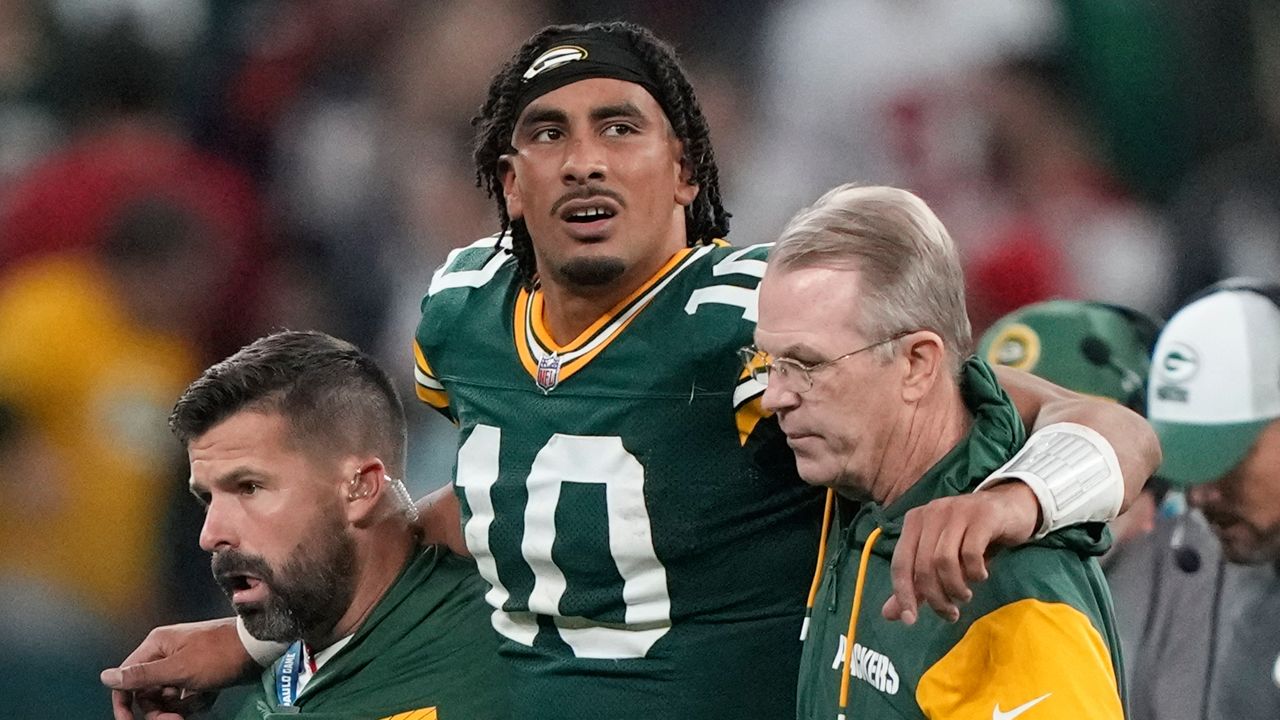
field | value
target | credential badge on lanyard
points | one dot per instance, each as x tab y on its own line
287	675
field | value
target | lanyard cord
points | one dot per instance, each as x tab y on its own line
817	571
853	622
287	675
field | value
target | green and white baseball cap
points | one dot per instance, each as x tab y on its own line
1215	379
1089	347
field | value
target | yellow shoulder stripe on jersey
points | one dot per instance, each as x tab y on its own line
435	398
426	386
748	409
1027	654
420	714
748	416
533	341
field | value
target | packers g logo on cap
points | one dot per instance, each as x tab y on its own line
1179	363
1017	346
555	57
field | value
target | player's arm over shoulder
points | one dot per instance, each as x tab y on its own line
1130	439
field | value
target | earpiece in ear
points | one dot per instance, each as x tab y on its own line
357	490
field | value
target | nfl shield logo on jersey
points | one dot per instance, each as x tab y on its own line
548	372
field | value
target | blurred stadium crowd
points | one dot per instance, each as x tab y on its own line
179	177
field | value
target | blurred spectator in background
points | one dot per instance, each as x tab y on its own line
27	125
51	643
1227	212
1163	83
124	145
973	108
94	345
301	105
877	91
1059	222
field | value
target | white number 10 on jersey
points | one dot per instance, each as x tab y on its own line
576	459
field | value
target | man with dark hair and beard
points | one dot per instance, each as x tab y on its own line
296	443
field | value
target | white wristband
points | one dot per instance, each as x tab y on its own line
263	652
1073	472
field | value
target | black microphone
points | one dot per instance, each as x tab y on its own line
1185	555
1096	351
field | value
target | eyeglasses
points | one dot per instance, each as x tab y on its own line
793	374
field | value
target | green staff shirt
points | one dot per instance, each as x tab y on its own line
426	652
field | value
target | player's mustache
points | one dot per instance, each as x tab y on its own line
229	563
586	192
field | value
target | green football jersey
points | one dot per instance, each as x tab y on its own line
637	516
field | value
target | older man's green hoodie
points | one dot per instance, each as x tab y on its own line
1036	642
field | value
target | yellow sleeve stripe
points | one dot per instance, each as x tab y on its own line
420	714
437	399
748	410
1044	658
427	387
748	416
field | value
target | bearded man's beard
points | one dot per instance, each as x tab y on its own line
305	597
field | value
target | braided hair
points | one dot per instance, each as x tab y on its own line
705	218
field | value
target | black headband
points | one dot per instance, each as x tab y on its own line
571	58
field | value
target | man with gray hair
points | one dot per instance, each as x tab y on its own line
296	443
864	346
